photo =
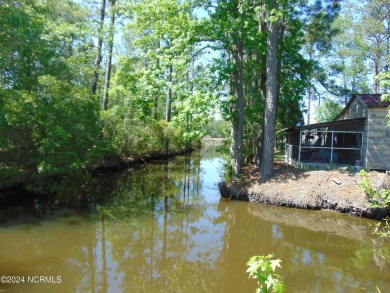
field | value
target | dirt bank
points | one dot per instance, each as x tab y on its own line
332	190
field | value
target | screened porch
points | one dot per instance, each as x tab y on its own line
337	142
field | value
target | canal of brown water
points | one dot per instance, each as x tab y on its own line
164	228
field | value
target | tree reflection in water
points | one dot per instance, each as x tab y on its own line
163	228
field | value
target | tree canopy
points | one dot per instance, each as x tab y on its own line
81	83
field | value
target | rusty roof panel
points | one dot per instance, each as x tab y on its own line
372	100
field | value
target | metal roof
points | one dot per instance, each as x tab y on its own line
370	100
321	125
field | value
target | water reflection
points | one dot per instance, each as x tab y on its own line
162	187
316	257
164	228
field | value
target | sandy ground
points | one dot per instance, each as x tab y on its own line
318	189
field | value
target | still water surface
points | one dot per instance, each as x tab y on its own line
164	228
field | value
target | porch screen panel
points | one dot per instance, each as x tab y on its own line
324	146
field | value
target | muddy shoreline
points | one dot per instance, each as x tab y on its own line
312	190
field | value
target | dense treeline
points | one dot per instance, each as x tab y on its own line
84	81
67	101
48	116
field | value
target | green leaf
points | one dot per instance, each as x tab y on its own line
270	281
275	263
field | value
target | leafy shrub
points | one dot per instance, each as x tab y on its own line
262	269
52	132
10	176
129	133
379	198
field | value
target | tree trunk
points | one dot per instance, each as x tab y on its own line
376	72
260	142
249	128
309	98
387	61
156	95
267	162
263	79
98	59
109	58
237	129
168	105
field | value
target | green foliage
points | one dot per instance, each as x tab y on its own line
279	155
50	133
49	122
384	81
193	114
160	76
346	70
131	135
51	126
262	269
217	128
381	199
10	176
359	49
327	111
382	230
161	97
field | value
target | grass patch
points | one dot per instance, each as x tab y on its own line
279	156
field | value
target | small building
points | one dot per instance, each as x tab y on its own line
359	136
